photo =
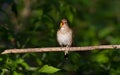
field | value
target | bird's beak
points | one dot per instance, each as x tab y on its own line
61	24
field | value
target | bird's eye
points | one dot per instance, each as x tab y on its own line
65	22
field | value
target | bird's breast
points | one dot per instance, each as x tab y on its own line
64	38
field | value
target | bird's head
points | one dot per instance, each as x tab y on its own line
63	22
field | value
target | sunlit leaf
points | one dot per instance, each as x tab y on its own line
48	69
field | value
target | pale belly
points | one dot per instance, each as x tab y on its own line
64	39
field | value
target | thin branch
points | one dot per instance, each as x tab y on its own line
51	49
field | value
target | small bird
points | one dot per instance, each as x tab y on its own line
64	35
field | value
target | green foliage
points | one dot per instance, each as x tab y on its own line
48	69
34	23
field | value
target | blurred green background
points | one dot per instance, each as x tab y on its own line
34	23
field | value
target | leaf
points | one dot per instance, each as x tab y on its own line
104	32
16	73
1	59
101	58
48	69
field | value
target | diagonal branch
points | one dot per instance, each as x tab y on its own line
50	49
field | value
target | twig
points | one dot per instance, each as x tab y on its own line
50	49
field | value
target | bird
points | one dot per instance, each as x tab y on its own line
64	35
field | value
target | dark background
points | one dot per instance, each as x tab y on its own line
34	23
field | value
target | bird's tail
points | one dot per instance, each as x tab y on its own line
66	54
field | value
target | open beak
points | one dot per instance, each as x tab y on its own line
61	24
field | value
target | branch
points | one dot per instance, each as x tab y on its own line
51	49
